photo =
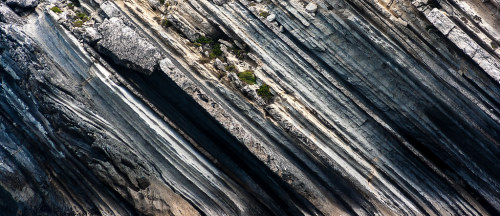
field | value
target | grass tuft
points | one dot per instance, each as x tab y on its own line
55	9
78	23
247	77
231	68
82	16
264	92
204	40
165	23
264	14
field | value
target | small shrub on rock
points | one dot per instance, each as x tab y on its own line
230	68
78	23
165	23
494	45
264	14
221	75
204	40
247	77
239	53
264	92
55	9
82	16
191	44
216	51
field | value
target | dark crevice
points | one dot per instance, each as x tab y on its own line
233	156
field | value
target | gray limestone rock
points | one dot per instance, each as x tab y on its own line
127	47
110	9
219	2
7	15
311	7
376	109
271	18
21	5
182	26
91	36
219	64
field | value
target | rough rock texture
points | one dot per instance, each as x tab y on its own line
21	5
311	7
7	15
126	46
358	107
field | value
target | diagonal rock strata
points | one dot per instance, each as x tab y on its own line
160	107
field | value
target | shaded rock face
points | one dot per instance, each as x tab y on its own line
343	108
7	15
22	5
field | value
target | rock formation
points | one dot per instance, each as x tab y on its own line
242	107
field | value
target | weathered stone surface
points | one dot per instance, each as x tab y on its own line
21	5
91	36
271	18
110	9
311	7
7	15
470	47
219	2
127	47
375	108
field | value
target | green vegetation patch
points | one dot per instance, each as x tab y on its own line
264	92
264	14
165	23
191	44
221	75
55	9
494	45
216	51
231	68
239	53
82	16
80	19
78	23
247	77
204	40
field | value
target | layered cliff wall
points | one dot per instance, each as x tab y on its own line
267	107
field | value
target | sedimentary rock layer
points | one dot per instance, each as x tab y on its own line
199	107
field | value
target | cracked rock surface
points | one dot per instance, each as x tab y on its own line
127	47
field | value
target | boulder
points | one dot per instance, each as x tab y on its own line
311	8
110	9
127	47
219	64
22	5
271	18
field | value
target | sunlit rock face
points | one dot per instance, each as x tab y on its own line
266	107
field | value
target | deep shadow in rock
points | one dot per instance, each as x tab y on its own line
233	157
